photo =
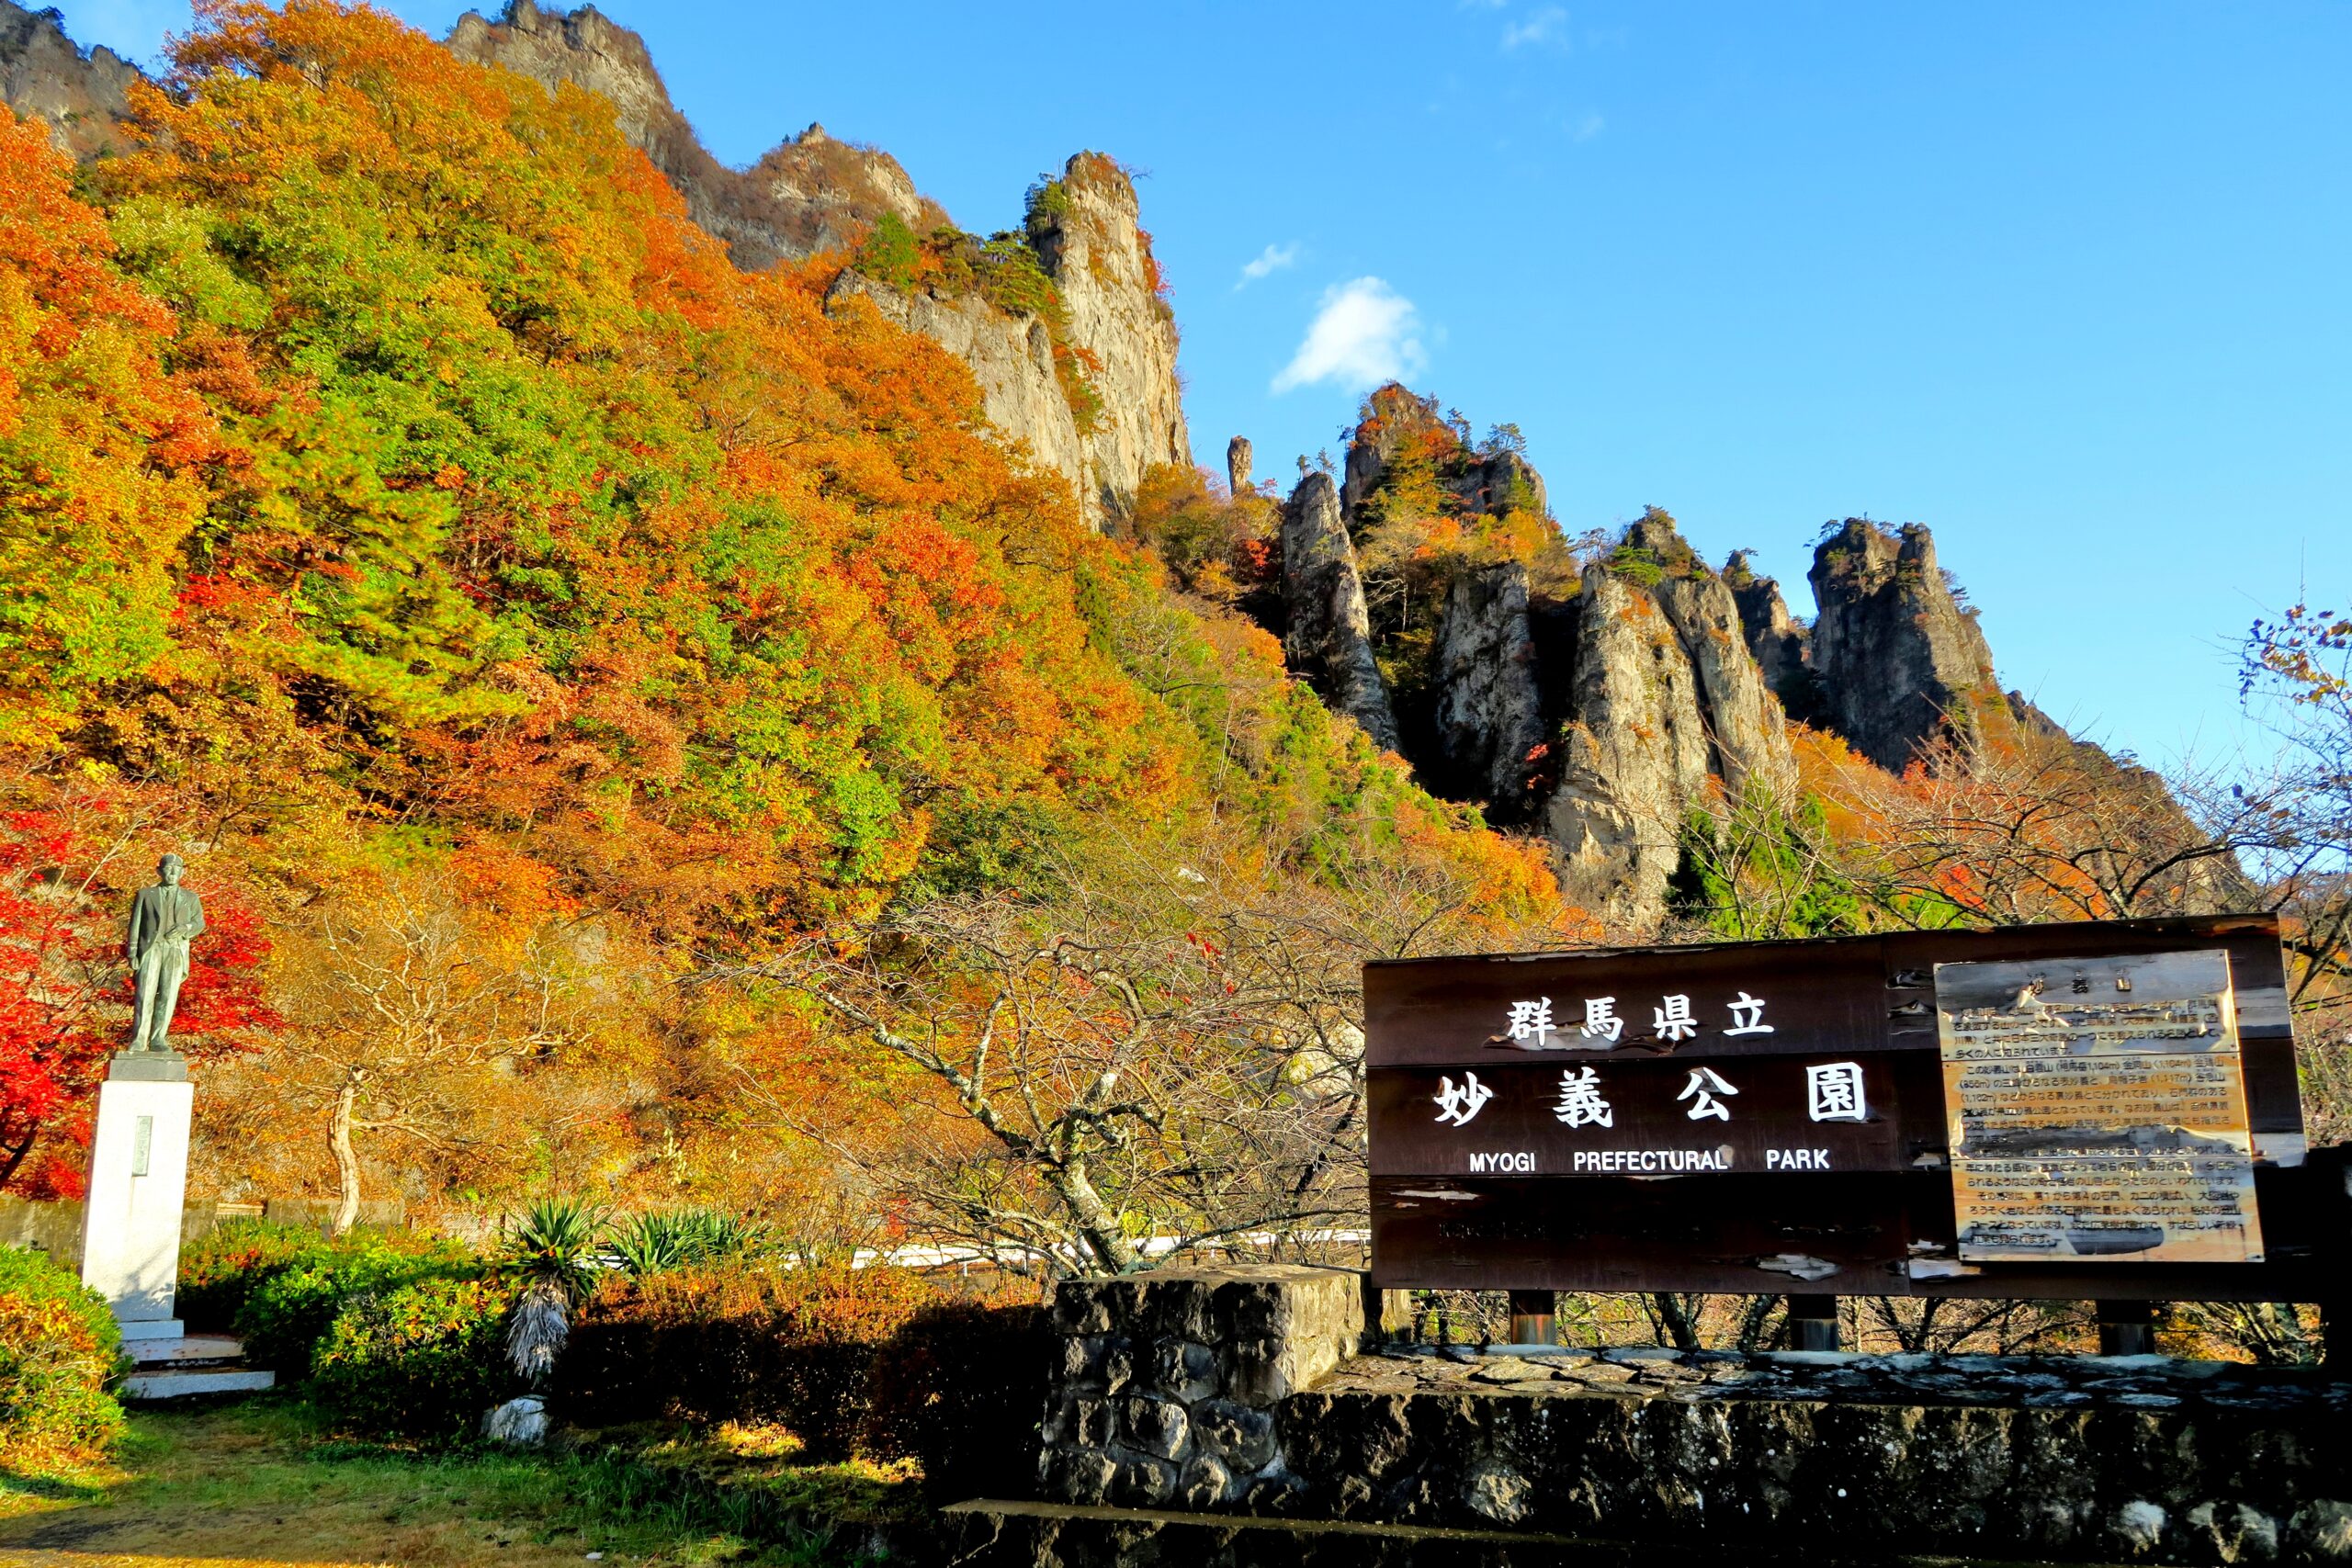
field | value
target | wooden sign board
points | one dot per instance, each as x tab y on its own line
2081	1110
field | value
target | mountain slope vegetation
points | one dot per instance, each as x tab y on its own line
518	610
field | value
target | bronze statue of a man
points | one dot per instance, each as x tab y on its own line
164	919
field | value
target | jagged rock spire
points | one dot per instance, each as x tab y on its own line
1328	641
1489	715
1776	637
1238	453
1633	758
1899	661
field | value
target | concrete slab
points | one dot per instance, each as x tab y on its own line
188	1348
181	1384
152	1328
130	1218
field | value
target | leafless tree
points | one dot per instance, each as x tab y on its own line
1164	1055
409	1024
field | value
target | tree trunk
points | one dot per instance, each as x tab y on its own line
1096	1224
346	1164
1678	1313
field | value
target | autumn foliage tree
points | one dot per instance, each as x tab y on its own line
400	479
66	867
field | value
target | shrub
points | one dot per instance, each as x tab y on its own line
60	1349
422	1360
551	1255
220	1269
738	1343
961	1388
684	1238
890	252
287	1316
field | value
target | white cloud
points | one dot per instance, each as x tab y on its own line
1547	27
1272	259
1585	129
1365	333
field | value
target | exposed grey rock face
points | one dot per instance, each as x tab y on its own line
815	193
1398	417
1776	637
809	194
1634	758
1899	661
1489	706
1328	640
1747	731
1504	482
1094	248
80	95
1236	465
1011	357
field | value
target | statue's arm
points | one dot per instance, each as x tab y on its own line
196	921
130	945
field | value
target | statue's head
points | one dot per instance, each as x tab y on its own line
167	869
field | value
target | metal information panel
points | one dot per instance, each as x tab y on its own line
2082	1111
2098	1109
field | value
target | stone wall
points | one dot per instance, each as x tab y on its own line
1167	1384
1239	1392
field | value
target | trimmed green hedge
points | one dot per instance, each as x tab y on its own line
424	1360
278	1287
61	1354
220	1269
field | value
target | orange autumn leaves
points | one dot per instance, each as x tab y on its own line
99	447
435	465
550	520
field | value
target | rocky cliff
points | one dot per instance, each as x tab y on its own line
1489	715
1399	426
1899	661
815	194
1635	755
1086	229
810	193
1011	357
1776	637
1606	706
81	95
1328	638
1088	385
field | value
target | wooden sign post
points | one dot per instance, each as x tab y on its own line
2103	1111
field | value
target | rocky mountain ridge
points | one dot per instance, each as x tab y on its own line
1599	700
1089	386
81	95
1604	712
813	194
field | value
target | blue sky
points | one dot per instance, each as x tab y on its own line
2069	284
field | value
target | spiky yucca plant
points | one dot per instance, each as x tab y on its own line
551	1255
684	1238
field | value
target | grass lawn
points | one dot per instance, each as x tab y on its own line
261	1482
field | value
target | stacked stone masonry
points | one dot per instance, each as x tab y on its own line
1187	1391
1166	1383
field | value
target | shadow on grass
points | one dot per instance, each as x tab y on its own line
49	1487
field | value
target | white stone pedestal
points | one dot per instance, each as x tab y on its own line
131	1224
